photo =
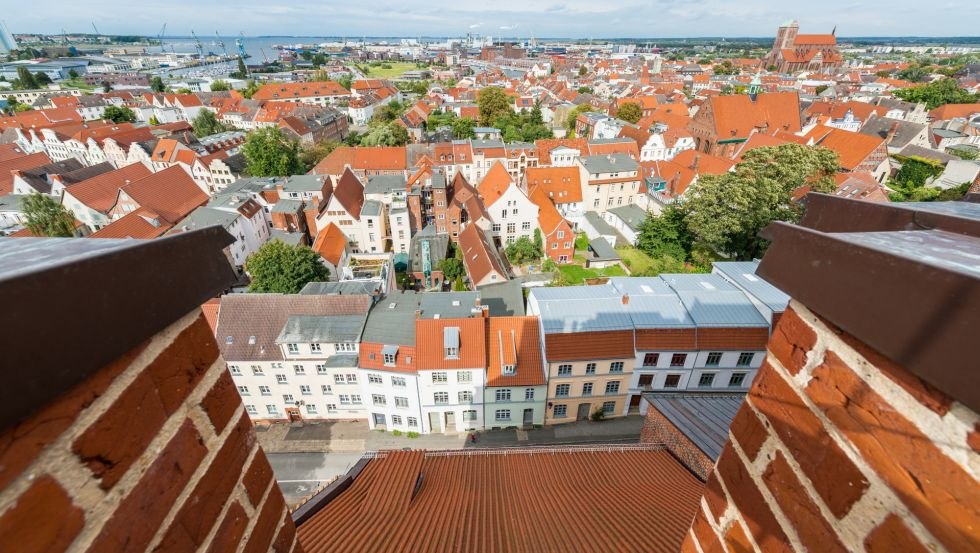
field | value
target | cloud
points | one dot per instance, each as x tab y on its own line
476	25
509	27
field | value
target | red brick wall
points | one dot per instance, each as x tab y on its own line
839	449
658	430
151	453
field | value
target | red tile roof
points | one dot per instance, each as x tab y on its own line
142	223
852	147
330	244
952	111
736	115
350	193
99	192
10	151
282	91
494	184
561	184
514	341
479	255
210	310
171	193
607	344
526	501
19	163
429	335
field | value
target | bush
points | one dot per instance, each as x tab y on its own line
412	434
396	432
598	415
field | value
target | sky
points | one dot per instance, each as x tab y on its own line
506	18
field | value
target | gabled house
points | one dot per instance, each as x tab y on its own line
557	235
481	257
515	374
364	223
91	199
171	194
512	214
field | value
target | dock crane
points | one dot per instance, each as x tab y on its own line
97	33
198	46
240	44
221	44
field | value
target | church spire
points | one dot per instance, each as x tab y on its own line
834	32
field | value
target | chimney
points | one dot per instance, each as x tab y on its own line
626	299
695	161
892	131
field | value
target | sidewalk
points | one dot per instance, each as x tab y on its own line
356	437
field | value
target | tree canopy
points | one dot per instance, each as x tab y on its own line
119	114
452	268
630	112
493	104
219	85
156	84
388	134
312	154
574	113
270	153
280	267
937	93
523	250
45	216
206	124
25	79
724	213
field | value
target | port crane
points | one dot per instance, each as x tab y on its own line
221	44
198	46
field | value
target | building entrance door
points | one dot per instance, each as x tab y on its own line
528	418
583	411
434	425
450	421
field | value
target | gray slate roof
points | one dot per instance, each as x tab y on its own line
384	184
392	320
630	214
449	305
610	163
323	329
703	418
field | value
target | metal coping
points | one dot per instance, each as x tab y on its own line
917	312
64	321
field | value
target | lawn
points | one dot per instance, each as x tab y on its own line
636	260
77	83
396	70
576	274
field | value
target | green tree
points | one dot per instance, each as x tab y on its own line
630	111
820	89
463	128
42	78
242	69
666	234
285	269
119	114
493	103
522	251
251	87
388	112
913	74
184	90
45	216
390	134
574	113
909	183
25	79
206	124
726	212
156	84
884	74
218	85
270	153
584	90
72	74
319	59
312	154
582	70
106	86
452	268
937	93
153	120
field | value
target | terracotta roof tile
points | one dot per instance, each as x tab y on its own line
142	223
331	244
19	163
561	184
280	91
171	193
514	341
494	184
606	344
480	257
99	192
350	193
429	336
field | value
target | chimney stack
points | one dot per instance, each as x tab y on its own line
892	131
626	299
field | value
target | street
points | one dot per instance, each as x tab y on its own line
299	474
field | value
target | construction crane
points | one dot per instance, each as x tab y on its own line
97	33
198	46
240	44
221	44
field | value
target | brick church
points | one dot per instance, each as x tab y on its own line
795	52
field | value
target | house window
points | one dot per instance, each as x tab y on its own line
469	415
714	359
560	411
511	228
528	394
321	369
587	389
389	359
502	415
401	401
616	367
331	407
452	353
612	387
243	390
378	399
396	419
325	389
315	348
441	398
706	380
526	225
346	346
310	409
672	381
281	379
398	381
503	394
292	348
235	371
561	234
736	380
272	409
265	390
562	390
351	378
744	359
257	370
650	359
288	398
251	409
589	368
305	390
678	359
464	376
338	379
465	396
439	377
609	407
496	227
564	370
413	422
344	399
375	379
509	369
299	370
355	399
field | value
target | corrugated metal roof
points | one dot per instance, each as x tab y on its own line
329	329
721	308
703	418
392	320
742	274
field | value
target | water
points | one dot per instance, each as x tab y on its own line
254	46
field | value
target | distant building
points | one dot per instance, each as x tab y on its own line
795	52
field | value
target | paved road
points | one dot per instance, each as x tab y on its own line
300	474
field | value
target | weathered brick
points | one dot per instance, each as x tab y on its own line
23	443
688	545
973	439
706	535
749	431
737	541
222	402
749	501
933	487
42	520
791	340
257	478
140	514
201	508
286	536
892	535
231	530
181	365
265	527
715	497
814	530
122	433
838	481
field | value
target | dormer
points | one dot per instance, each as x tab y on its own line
508	352
450	342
